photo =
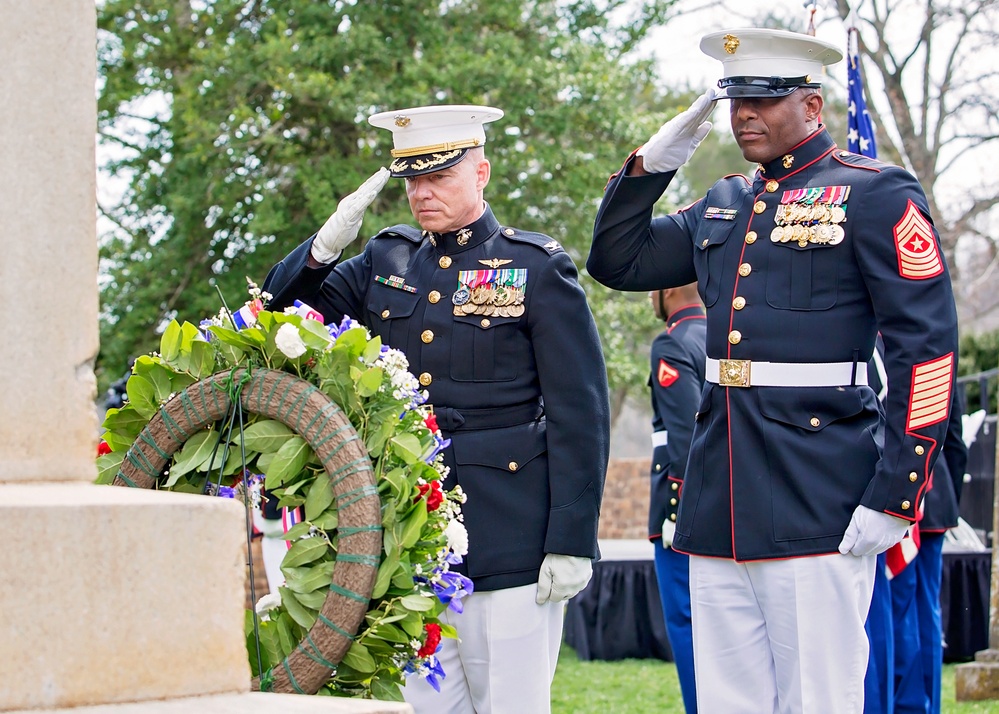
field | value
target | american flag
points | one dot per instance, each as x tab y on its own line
860	128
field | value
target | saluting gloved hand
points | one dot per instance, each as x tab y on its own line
562	576
341	228
669	531
871	532
673	145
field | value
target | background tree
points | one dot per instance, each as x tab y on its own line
235	126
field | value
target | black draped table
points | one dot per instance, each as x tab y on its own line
618	615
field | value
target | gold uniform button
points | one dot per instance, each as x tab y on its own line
509	231
674	486
745	269
919	450
434	297
772	186
759	207
913	476
445	261
735	337
427	336
513	466
485	322
658	466
704	243
739	303
905	505
672	516
814	421
426	379
751	237
385	314
672	502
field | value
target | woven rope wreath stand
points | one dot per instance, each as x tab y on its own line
317	419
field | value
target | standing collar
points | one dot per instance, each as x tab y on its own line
470	236
813	148
684	313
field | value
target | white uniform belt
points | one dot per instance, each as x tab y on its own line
751	373
660	438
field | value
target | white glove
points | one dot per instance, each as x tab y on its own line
673	145
341	228
871	532
669	531
562	576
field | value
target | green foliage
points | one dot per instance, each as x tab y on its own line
979	353
383	402
235	127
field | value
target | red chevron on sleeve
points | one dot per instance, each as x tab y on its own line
667	374
918	257
930	396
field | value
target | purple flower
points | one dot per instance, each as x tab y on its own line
430	669
226	492
347	323
450	587
440	444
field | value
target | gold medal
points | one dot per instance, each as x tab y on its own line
838	214
516	310
838	235
776	234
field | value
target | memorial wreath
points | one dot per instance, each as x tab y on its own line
340	430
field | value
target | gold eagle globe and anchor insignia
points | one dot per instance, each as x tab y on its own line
731	44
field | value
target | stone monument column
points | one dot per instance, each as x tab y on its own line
107	595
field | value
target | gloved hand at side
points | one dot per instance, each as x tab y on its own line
669	531
871	532
341	228
673	145
562	576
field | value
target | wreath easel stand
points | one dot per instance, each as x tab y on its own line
316	418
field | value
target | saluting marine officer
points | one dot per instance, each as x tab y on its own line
676	379
497	328
790	489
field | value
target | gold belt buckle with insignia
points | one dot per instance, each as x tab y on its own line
734	372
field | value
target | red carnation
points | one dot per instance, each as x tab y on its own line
433	493
432	641
431	422
103	448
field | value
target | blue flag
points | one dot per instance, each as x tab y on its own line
860	129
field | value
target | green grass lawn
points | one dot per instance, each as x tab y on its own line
639	686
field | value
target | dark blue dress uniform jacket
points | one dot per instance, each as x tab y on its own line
677	360
941	508
777	471
533	475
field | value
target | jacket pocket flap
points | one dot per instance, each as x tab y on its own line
810	409
507	449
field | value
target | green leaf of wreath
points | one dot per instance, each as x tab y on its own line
319	497
193	455
359	658
298	612
407	447
288	461
305	551
413	524
266	436
108	465
418	603
306	580
142	396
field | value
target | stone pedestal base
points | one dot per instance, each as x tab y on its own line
978	680
253	703
119	595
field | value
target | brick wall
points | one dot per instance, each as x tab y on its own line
625	509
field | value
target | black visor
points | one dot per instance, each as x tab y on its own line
739	87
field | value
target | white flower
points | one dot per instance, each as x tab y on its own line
289	341
267	603
457	537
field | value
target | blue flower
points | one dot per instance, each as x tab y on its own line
347	323
450	587
440	444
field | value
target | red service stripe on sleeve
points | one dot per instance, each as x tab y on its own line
930	396
918	257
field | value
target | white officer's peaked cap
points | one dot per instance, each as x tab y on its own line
768	63
427	139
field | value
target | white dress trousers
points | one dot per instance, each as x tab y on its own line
781	636
503	661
